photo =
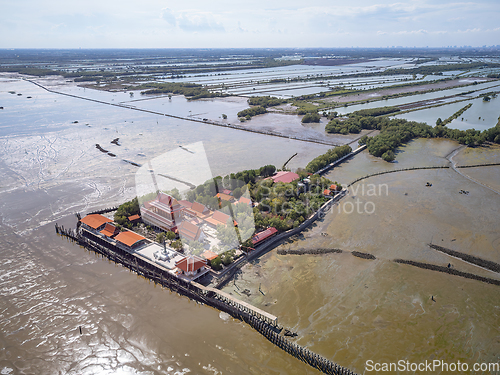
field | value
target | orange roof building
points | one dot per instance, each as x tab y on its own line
95	221
162	212
197	210
129	239
218	218
191	265
245	201
284	176
185	204
110	230
333	187
225	197
209	255
327	192
190	231
134	218
264	235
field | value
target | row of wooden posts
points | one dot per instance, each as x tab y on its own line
209	298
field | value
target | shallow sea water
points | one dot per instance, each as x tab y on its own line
344	308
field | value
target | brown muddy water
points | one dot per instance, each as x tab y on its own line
352	310
345	308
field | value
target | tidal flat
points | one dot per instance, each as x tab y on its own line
352	309
343	307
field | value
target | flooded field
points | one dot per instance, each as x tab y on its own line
345	308
419	97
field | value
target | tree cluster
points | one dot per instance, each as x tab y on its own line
311	117
125	210
329	157
283	205
374	111
395	132
265	101
189	90
253	111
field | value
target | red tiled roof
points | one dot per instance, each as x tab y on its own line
285	177
189	231
264	235
109	230
134	217
129	238
224	197
185	203
95	220
333	187
326	192
166	199
209	255
196	221
221	217
191	263
198	207
245	200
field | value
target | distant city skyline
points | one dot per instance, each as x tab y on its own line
257	24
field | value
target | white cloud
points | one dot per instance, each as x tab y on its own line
192	20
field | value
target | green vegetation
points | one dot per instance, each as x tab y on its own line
205	193
375	111
362	119
388	156
125	210
343	126
395	132
311	117
216	263
265	101
283	205
392	134
454	116
189	90
253	111
279	205
329	157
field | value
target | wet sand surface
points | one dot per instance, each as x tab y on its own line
351	309
49	288
345	308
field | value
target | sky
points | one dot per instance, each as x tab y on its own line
247	24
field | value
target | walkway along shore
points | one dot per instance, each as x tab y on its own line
203	121
205	295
